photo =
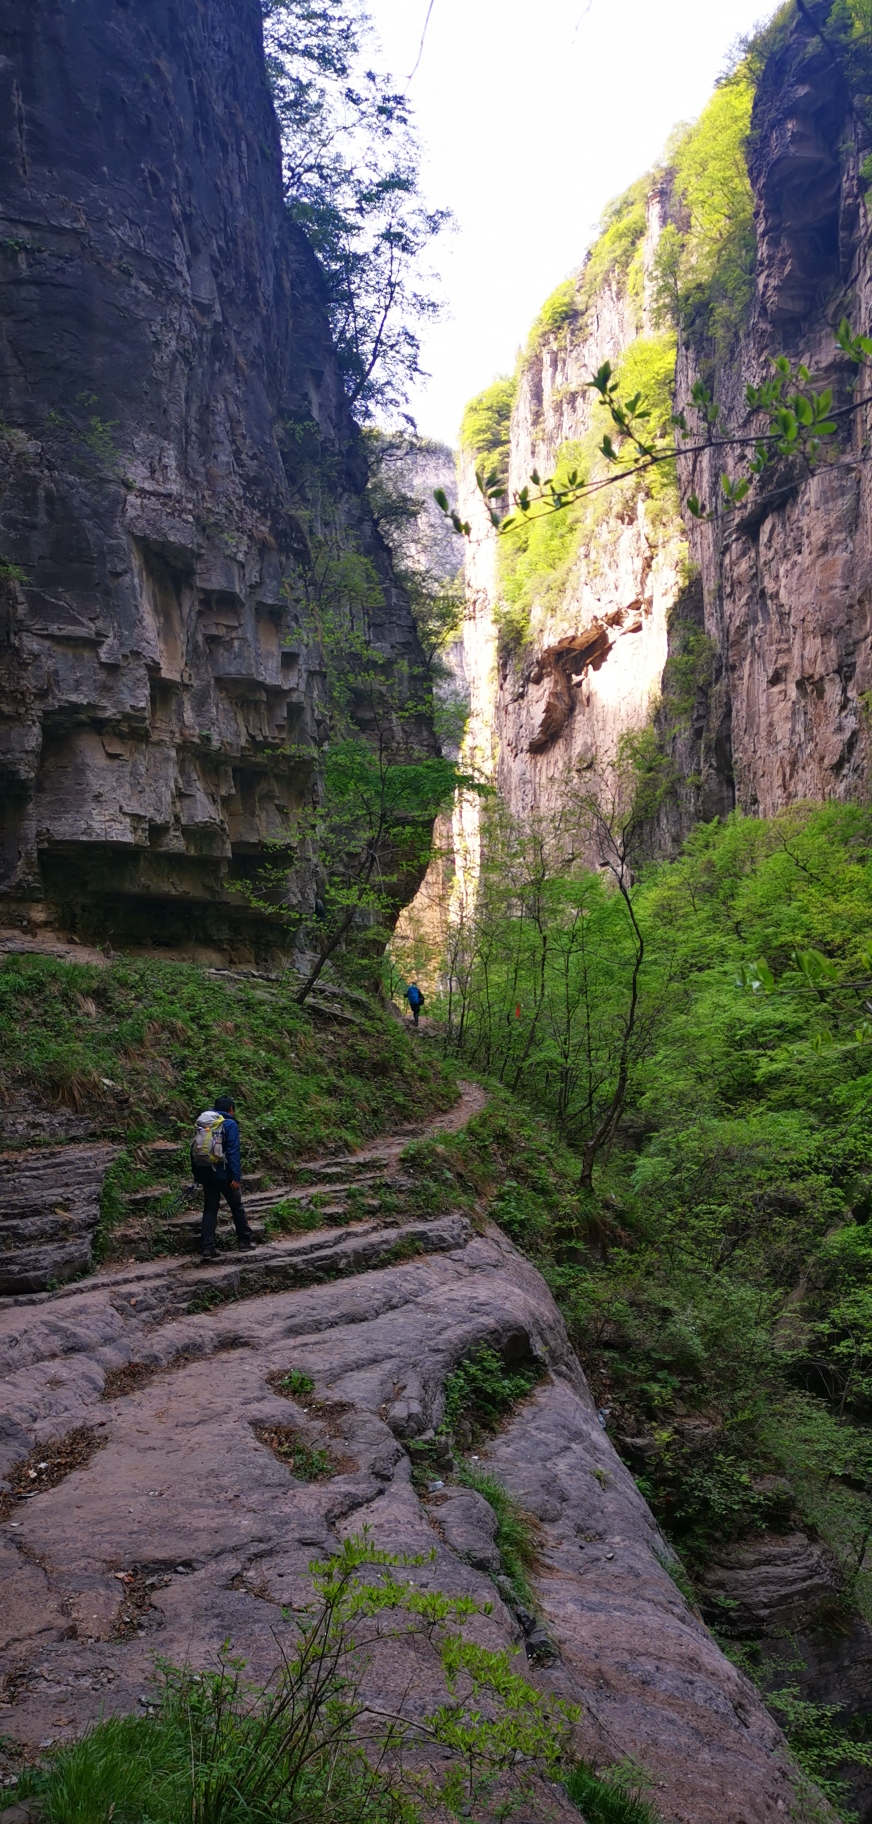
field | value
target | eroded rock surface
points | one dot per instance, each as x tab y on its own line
184	1529
172	416
788	580
774	1581
49	1213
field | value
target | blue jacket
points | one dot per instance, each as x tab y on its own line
231	1171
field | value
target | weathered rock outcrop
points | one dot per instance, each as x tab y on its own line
160	1521
590	663
51	1207
174	433
788	580
780	592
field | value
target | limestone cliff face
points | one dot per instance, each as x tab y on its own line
788	583
590	662
174	432
774	605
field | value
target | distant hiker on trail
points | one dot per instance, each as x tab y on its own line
415	999
217	1166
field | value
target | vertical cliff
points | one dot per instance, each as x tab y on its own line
569	630
787	580
174	441
744	637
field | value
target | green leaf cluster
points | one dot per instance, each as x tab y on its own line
481	1391
351	170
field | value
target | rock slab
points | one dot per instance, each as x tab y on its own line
185	1501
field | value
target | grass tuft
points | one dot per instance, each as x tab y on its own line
605	1802
515	1539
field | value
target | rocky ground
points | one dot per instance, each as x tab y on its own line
151	1504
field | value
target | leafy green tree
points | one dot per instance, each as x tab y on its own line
352	183
550	985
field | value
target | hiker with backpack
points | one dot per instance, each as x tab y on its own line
415	999
217	1165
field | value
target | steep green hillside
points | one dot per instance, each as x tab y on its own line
141	1047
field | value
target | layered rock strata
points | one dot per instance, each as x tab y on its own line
51	1208
174	436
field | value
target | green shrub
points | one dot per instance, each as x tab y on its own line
482	1389
704	271
557	311
514	1536
220	1751
616	253
607	1802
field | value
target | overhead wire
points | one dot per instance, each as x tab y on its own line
414	69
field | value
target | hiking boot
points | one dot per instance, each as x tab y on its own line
246	1244
204	1259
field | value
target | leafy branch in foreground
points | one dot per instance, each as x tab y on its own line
312	1747
798	420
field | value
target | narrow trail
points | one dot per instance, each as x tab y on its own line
52	1210
358	1191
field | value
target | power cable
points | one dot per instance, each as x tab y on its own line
423	37
581	22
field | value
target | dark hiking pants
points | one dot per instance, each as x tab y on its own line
213	1190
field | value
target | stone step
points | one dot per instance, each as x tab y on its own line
282	1265
348	1171
183	1232
138	1201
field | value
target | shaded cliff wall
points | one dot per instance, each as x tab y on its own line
787	583
174	434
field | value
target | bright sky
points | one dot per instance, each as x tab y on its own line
533	114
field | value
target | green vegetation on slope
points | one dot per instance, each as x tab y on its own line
486	426
541	556
143	1046
310	1750
705	266
615	257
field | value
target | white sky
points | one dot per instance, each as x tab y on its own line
533	114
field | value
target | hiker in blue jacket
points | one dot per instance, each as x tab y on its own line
220	1175
415	999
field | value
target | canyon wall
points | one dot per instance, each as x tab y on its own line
787	580
174	440
744	638
586	664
